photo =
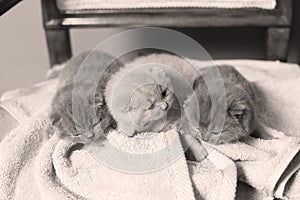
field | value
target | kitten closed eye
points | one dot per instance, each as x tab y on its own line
236	113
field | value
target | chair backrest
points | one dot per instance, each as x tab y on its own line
57	23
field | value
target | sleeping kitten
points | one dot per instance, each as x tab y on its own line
62	111
139	106
151	107
239	119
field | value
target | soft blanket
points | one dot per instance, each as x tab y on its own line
34	168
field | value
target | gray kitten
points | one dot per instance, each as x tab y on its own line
61	116
239	112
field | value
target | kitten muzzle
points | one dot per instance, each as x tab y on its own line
163	105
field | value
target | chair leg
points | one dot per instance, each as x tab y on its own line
59	46
277	43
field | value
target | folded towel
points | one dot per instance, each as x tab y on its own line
133	4
24	102
17	155
292	190
214	178
86	177
31	168
262	163
60	169
278	104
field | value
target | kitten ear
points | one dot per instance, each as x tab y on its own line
55	118
135	80
158	75
161	77
138	77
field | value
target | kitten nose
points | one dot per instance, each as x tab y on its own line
163	105
88	134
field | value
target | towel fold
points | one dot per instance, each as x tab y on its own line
214	178
60	169
262	163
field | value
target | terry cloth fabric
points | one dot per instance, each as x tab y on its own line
265	164
138	4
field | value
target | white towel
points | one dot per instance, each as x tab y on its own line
136	4
31	169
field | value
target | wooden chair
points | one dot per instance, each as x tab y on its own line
5	5
277	23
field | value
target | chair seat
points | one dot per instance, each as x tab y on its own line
64	5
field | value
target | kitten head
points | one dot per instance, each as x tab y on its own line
148	107
236	121
92	118
85	127
141	99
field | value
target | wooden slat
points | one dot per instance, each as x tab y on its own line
179	17
58	40
170	21
58	23
59	46
277	43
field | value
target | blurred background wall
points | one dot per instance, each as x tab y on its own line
24	57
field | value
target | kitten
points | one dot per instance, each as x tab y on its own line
152	107
139	106
61	115
239	116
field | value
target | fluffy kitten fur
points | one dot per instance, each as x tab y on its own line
146	108
180	65
62	113
240	114
149	105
